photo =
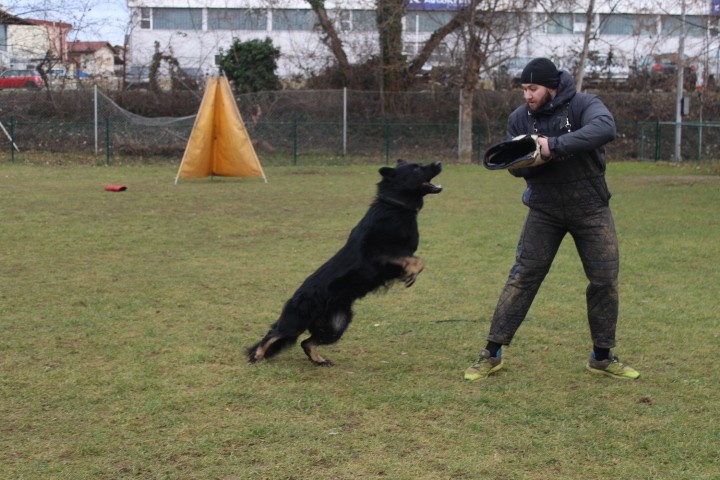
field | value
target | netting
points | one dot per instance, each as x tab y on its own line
126	133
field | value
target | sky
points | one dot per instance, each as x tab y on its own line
112	17
93	20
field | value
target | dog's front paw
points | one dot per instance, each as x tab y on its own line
410	280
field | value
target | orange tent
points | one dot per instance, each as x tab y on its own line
219	143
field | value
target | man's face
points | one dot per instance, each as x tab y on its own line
536	95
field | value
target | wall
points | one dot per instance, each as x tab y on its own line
26	44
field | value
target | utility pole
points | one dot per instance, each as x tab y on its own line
680	86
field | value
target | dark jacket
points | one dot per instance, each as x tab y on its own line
577	125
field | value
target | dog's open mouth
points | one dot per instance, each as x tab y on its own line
431	188
435	168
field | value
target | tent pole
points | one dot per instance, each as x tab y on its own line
9	136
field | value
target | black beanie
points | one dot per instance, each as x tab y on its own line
541	71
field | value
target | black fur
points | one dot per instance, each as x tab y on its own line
380	249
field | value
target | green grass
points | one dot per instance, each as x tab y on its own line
124	318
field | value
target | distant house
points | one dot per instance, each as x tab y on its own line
25	43
56	34
97	59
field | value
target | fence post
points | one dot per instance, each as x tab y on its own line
12	138
641	141
387	142
95	105
658	137
345	125
295	141
107	141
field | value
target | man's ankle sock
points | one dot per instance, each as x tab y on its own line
494	348
601	353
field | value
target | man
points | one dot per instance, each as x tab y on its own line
568	194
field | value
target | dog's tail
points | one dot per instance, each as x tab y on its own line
269	346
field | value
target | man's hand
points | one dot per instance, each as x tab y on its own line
544	147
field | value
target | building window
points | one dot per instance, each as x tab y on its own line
177	19
236	19
287	19
146	18
343	19
355	20
364	20
622	24
429	21
694	26
560	24
3	37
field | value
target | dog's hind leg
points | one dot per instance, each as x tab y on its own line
269	346
330	331
257	353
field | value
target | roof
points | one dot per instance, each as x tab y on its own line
88	47
50	23
10	19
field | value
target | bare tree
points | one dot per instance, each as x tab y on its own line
587	35
332	39
482	29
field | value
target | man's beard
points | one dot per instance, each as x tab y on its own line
544	100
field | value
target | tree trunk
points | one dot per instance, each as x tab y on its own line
473	59
333	41
389	22
465	140
580	74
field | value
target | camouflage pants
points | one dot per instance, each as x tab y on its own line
593	230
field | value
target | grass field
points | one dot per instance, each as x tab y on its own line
124	318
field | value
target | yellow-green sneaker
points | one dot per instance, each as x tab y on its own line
611	367
484	366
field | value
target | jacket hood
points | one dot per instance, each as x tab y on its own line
566	91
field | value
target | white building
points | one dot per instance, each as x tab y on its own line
196	31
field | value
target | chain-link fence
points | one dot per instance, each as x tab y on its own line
318	127
293	142
699	141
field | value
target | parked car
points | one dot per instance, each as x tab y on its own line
507	74
29	79
137	77
599	71
659	71
58	73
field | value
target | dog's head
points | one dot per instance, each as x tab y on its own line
410	179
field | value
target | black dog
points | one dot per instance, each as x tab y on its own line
379	250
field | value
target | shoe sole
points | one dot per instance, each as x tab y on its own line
605	373
472	378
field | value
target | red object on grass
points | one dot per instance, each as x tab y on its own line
116	188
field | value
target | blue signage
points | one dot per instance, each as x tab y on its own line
715	7
447	4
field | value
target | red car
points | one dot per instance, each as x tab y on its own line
29	79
